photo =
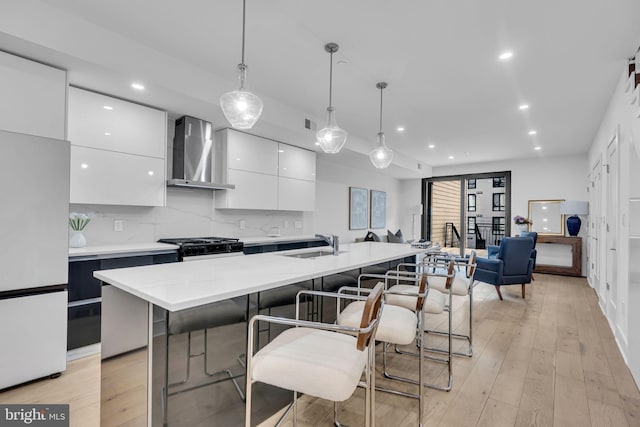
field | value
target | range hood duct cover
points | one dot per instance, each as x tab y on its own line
192	155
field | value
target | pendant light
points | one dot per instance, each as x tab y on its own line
381	156
241	107
331	138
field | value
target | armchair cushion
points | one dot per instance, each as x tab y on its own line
492	251
320	363
397	324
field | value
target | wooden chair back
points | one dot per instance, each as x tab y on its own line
471	266
370	312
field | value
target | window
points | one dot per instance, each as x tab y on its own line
471	184
498	182
471	202
498	202
497	225
471	226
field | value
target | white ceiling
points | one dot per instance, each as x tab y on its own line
440	58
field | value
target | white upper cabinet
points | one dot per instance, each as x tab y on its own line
250	153
33	97
111	178
99	121
117	151
268	175
298	163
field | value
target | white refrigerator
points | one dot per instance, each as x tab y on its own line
34	210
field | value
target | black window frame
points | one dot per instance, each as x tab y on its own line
475	200
500	226
471	230
499	182
500	205
469	184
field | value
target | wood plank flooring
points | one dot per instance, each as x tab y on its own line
548	360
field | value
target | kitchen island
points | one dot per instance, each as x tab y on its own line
181	286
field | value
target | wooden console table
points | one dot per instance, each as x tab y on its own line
575	269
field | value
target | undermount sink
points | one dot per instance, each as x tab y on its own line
314	254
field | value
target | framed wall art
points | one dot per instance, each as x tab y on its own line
378	209
358	208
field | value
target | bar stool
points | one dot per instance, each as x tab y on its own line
398	326
463	284
281	297
319	359
226	312
435	303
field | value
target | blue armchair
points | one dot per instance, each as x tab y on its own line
511	265
492	250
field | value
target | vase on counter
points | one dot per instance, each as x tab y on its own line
77	240
522	227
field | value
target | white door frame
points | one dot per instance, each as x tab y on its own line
611	229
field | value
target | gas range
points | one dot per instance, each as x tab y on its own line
196	248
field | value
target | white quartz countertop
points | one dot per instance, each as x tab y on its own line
178	286
123	248
276	239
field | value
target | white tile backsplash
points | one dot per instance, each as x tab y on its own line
189	213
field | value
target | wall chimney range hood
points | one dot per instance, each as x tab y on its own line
192	155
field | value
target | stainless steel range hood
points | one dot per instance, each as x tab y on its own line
192	156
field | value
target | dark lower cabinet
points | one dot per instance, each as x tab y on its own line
85	292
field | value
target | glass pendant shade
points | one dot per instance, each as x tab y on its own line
381	156
241	107
331	137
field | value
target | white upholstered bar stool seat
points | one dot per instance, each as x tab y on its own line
397	324
434	303
318	363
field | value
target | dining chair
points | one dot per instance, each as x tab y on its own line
319	359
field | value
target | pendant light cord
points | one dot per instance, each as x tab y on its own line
330	76
381	89
244	9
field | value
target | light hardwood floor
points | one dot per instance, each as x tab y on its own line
548	360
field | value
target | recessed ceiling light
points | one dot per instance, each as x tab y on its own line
504	56
280	151
451	157
532	132
84	166
150	173
107	133
137	86
538	148
523	107
400	129
317	143
106	107
432	146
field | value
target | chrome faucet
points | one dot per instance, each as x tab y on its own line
333	241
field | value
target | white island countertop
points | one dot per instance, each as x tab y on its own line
178	286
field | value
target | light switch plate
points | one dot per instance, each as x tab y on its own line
118	225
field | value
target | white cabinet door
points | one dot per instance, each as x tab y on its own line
33	98
296	194
34	337
253	191
99	121
122	311
251	153
296	162
110	178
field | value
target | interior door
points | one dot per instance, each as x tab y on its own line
594	224
612	230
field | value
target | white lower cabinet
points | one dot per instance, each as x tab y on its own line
253	191
296	194
112	178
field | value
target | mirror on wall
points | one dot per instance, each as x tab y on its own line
546	217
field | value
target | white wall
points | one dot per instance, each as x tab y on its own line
332	199
623	119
